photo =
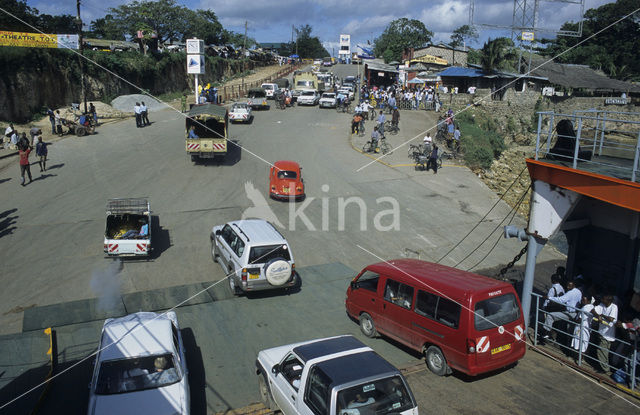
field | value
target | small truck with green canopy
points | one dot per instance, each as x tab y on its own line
207	131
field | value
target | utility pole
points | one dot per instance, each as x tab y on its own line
84	93
244	52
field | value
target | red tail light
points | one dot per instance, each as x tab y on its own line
106	247
244	275
471	346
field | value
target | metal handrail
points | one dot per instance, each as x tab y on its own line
630	362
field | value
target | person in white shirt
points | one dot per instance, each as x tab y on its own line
581	332
138	113
607	314
427	140
571	299
556	290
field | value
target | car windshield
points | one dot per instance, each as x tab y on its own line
496	311
239	107
304	83
308	93
135	374
329	96
265	86
265	253
383	396
287	174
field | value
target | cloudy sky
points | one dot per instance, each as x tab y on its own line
271	20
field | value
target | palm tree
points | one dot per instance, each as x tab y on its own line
496	53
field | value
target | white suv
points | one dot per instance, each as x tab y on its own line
271	90
254	255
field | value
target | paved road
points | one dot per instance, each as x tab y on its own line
51	241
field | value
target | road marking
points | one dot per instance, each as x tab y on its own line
424	238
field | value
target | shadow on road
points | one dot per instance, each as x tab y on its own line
5	180
197	377
161	239
44	176
56	166
7	222
234	155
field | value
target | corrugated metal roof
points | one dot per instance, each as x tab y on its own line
461	72
379	65
580	76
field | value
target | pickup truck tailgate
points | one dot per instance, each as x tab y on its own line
127	247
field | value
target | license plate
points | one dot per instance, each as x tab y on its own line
254	276
285	190
501	348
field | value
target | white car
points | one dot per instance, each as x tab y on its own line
328	100
317	62
240	112
140	367
270	89
337	376
308	97
347	92
253	255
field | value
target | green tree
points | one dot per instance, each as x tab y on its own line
497	54
399	35
308	46
106	28
22	11
460	36
204	25
614	50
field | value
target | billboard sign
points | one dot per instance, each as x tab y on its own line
38	40
195	64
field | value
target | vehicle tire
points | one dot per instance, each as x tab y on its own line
194	158
366	326
80	131
277	271
436	361
265	393
92	129
394	130
233	288
385	148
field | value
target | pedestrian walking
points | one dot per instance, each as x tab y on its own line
24	164
34	132
58	120
138	113
41	152
52	120
433	159
145	114
7	135
183	102
93	113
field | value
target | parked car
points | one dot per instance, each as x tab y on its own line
308	97
257	99
285	180
347	92
459	320
240	112
140	367
270	89
328	100
333	376
317	62
254	255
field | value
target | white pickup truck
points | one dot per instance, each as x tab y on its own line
128	231
332	376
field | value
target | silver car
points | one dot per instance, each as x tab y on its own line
254	255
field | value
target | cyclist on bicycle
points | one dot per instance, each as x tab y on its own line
381	120
340	99
356	123
375	137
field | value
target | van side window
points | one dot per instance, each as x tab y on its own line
368	281
318	393
438	308
399	294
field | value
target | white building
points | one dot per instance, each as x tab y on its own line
344	53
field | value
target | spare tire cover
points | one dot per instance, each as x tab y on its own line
277	271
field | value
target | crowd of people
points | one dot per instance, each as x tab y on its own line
25	146
396	95
591	320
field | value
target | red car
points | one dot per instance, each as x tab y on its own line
285	180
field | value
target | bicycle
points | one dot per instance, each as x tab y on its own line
415	148
382	147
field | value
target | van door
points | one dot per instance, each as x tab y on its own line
364	296
396	310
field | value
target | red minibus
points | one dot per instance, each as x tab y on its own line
457	319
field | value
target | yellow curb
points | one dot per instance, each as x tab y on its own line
365	154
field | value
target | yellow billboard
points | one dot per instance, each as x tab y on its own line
428	59
38	40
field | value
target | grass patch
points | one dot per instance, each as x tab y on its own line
479	139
